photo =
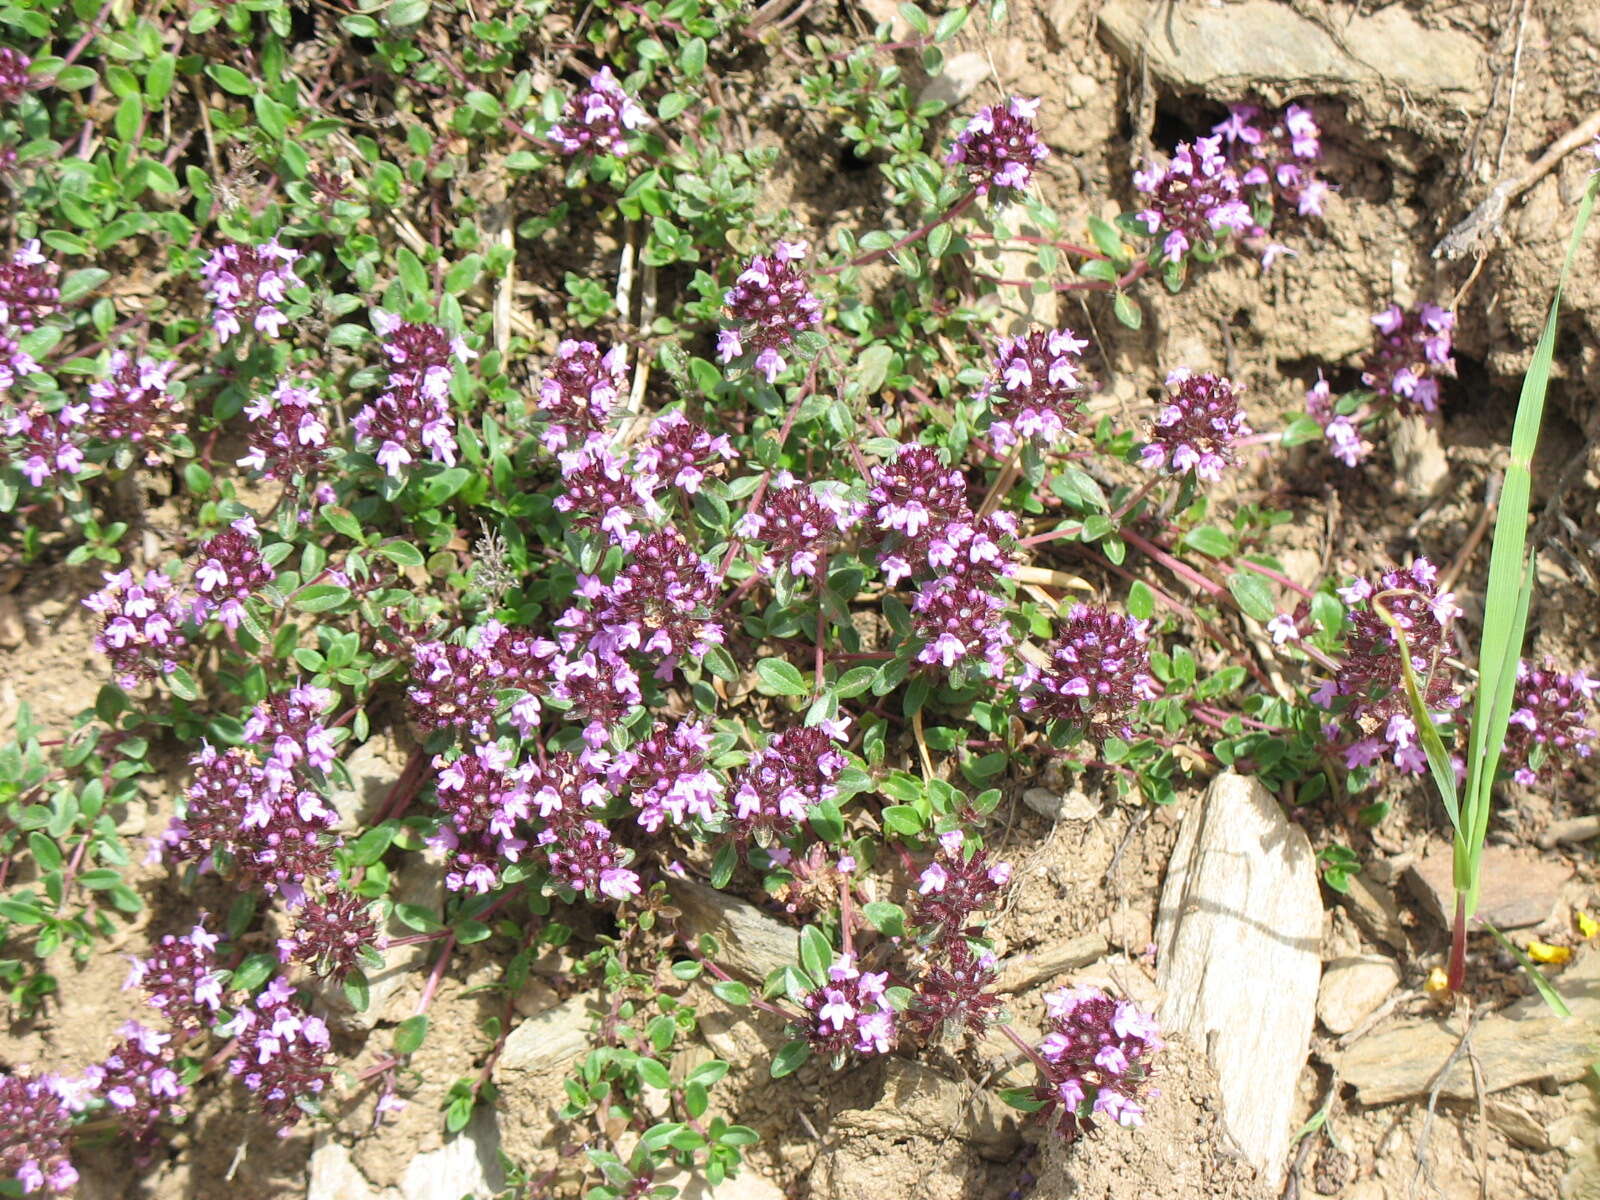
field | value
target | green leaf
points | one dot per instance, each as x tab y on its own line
731	991
1552	998
789	1059
1254	595
816	953
253	972
872	367
1141	601
357	990
410	1034
902	819
1126	309
320	597
340	520
230	79
182	684
885	917
1208	539
372	844
80	283
1301	430
1106	238
720	663
402	554
781	677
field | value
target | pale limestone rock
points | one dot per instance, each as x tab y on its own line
1353	988
467	1165
1238	934
752	943
551	1039
962	75
920	1102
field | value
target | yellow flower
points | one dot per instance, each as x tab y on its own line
1544	952
1587	925
1438	983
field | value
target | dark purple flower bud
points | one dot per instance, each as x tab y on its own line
1195	201
999	147
800	524
955	992
249	284
1197	427
580	392
1098	1052
1411	355
848	1011
330	933
140	626
1035	391
228	570
1368	692
139	1082
771	303
605	493
42	445
680	453
1099	672
288	435
599	118
34	1124
132	404
952	888
1552	718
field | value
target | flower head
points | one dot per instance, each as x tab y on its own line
1035	391
1194	202
849	1011
229	570
799	523
1411	355
1097	1052
140	625
34	1125
249	284
288	432
1099	672
771	304
1552	720
680	453
579	393
599	118
131	403
999	147
1197	427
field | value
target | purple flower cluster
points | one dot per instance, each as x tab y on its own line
15	81
1411	355
680	453
771	302
457	686
34	1123
961	619
599	118
605	493
1194	202
1035	391
953	990
484	797
131	404
667	778
273	831
849	1011
953	887
780	784
1551	719
578	849
281	1053
140	625
289	726
580	392
602	689
45	444
288	435
229	570
1197	427
181	979
29	290
660	604
1098	1052
1275	156
330	933
139	1082
249	284
413	416
1344	439
800	524
999	147
1368	692
1099	672
920	507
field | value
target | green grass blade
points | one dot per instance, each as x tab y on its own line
1506	598
1547	992
1439	764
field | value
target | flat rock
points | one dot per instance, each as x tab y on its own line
752	943
1058	806
1241	903
960	78
1523	1043
1518	889
1022	971
467	1165
1573	829
331	1174
746	1185
1375	910
421	882
1353	988
1421	466
920	1102
12	631
1267	47
552	1039
374	767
